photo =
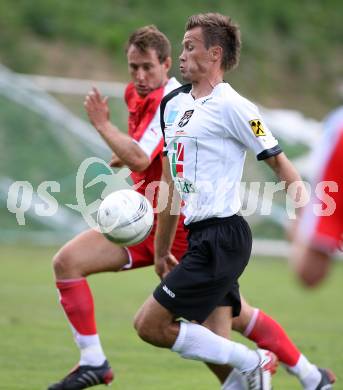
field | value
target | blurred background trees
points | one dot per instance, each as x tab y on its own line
292	50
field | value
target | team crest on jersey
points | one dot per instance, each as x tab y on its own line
257	127
185	118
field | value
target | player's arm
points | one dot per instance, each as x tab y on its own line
320	231
310	264
286	172
246	125
167	220
126	150
248	128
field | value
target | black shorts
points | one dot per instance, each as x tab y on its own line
207	276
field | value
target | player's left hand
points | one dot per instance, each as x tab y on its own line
164	264
97	108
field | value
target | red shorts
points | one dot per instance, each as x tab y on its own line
142	255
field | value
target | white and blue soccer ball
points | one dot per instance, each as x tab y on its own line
125	217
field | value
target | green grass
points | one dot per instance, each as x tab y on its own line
36	345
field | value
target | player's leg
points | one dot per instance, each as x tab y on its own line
218	322
230	379
204	280
268	334
156	325
88	253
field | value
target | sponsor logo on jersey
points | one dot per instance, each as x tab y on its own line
184	186
185	118
169	292
257	127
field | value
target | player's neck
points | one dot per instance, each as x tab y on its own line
204	86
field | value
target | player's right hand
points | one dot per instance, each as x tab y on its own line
97	108
116	162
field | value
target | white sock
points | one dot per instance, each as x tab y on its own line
199	343
91	350
307	373
234	381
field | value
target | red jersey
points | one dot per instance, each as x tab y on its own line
145	129
322	223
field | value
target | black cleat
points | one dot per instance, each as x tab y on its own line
82	377
327	381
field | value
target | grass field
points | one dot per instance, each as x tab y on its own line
36	345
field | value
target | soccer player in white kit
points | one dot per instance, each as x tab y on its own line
208	127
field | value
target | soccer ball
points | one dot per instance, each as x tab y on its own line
125	217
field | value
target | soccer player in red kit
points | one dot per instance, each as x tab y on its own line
320	230
148	54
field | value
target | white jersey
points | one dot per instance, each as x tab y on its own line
206	141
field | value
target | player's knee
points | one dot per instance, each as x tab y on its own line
61	262
143	328
150	329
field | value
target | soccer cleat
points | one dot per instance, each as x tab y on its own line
260	377
328	378
82	377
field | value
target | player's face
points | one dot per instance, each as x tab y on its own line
194	59
146	71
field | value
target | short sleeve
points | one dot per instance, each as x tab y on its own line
244	123
151	141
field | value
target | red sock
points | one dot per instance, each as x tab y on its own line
268	334
77	301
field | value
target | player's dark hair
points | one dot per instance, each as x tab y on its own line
149	37
219	30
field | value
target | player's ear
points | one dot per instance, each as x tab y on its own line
215	53
167	64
